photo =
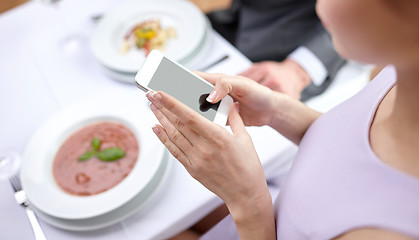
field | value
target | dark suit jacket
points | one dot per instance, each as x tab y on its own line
272	29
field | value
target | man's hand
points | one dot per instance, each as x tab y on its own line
286	76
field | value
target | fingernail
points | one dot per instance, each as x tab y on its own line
212	95
156	130
152	95
148	95
153	107
156	96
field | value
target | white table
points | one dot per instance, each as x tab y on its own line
39	77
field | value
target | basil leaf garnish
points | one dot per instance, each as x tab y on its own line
111	154
107	155
87	155
96	143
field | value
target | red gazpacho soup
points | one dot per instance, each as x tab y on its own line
95	158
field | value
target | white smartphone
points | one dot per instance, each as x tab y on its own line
159	73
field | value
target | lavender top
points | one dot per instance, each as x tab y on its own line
337	183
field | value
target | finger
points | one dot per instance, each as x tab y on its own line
210	77
263	80
236	86
173	148
174	135
273	83
189	117
188	133
218	80
253	73
257	75
236	123
247	72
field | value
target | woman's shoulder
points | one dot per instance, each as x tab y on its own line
372	233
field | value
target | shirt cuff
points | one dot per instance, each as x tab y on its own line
310	63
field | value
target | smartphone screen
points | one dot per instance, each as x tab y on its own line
184	86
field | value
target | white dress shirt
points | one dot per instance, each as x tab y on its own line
310	63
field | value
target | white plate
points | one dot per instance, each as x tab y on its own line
141	201
202	50
108	37
119	76
36	172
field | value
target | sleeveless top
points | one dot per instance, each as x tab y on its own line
337	183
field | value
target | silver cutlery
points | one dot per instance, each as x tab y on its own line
97	17
21	199
221	59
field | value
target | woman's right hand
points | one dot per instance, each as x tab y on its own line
259	105
256	101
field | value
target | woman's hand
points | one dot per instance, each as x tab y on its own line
260	105
257	103
227	164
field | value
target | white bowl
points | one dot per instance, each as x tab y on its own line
140	203
36	172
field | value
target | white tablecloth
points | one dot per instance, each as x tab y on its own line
40	76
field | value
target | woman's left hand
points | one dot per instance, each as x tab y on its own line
227	164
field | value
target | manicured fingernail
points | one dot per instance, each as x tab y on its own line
212	95
148	95
153	107
156	96
152	95
156	130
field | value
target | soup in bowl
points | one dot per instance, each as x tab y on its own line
95	158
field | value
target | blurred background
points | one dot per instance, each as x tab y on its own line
8	4
204	5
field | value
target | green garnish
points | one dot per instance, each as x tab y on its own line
96	143
87	155
107	155
140	42
111	154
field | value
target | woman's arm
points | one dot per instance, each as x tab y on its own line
291	118
255	221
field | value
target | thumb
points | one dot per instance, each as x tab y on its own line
221	89
235	120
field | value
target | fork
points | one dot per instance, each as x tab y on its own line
21	199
